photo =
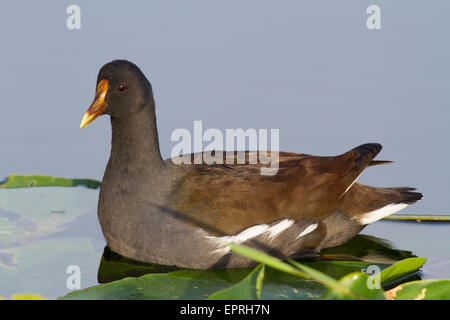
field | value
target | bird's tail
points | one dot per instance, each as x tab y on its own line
369	204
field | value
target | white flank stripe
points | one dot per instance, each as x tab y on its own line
239	238
375	215
245	234
308	229
250	233
280	227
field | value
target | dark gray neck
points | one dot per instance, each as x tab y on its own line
135	140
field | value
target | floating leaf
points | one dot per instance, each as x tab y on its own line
42	267
115	267
277	285
151	286
368	249
401	269
321	278
337	269
234	284
358	284
27	181
304	272
419	217
421	290
199	284
272	262
27	215
247	289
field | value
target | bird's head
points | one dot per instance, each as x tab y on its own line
122	89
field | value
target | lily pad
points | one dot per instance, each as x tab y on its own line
247	289
198	284
337	269
41	268
27	215
115	267
151	286
357	283
295	268
421	290
34	254
277	284
419	217
401	269
368	249
27	181
180	284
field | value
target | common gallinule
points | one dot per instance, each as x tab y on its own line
154	210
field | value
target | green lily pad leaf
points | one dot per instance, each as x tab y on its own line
299	270
200	284
27	181
368	249
277	285
228	275
337	269
421	290
419	217
401	269
27	215
320	277
358	284
272	262
42	267
115	267
247	289
149	287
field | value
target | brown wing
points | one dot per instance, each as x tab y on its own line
232	197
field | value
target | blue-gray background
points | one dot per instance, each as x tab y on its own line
310	68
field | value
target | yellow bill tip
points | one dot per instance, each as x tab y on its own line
98	106
87	118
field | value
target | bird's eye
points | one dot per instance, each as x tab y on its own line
122	87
